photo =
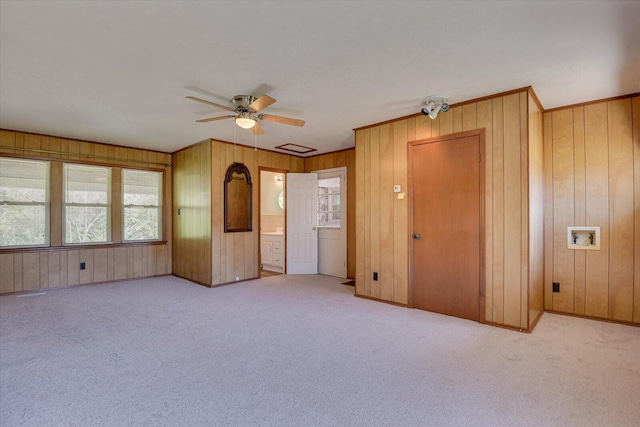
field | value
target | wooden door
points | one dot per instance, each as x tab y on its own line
446	225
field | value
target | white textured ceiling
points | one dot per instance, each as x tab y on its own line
118	72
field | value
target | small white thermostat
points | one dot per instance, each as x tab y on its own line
397	188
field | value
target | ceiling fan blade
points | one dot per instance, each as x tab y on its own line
204	101
257	129
280	119
213	119
261	103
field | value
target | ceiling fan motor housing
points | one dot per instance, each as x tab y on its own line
242	102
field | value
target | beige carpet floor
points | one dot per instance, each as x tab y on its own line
298	351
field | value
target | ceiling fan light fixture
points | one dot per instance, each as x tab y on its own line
245	121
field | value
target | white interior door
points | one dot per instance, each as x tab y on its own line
332	222
302	233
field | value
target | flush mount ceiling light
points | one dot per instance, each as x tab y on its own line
245	121
433	105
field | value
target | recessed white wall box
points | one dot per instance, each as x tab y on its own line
583	238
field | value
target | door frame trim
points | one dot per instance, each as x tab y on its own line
344	183
481	134
284	234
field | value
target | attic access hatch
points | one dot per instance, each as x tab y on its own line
583	238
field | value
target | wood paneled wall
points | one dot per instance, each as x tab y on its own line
382	228
23	270
592	156
335	160
203	252
235	255
536	212
192	226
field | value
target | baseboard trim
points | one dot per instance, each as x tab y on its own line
77	285
599	319
380	300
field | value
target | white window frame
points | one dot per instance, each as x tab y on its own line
159	207
330	205
65	205
46	204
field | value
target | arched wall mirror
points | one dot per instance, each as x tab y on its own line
237	199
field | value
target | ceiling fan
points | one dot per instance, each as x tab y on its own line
247	112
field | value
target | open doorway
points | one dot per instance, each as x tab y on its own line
272	222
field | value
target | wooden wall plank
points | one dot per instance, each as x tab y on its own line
217	213
73	268
636	192
524	210
360	212
367	217
53	269
145	261
163	256
563	215
456	116
6	271
597	214
386	197
17	272
44	269
512	205
152	261
374	203
498	211
484	116
86	275
621	210
580	207
111	268
120	263
445	121
117	220
32	142
64	268
548	210
422	126
536	213
100	265
351	213
7	141
138	261
30	271
469	116
19	143
130	262
55	144
400	213
56	206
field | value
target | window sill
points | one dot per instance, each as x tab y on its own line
76	247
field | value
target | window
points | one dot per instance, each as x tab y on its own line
24	203
142	204
87	204
329	202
